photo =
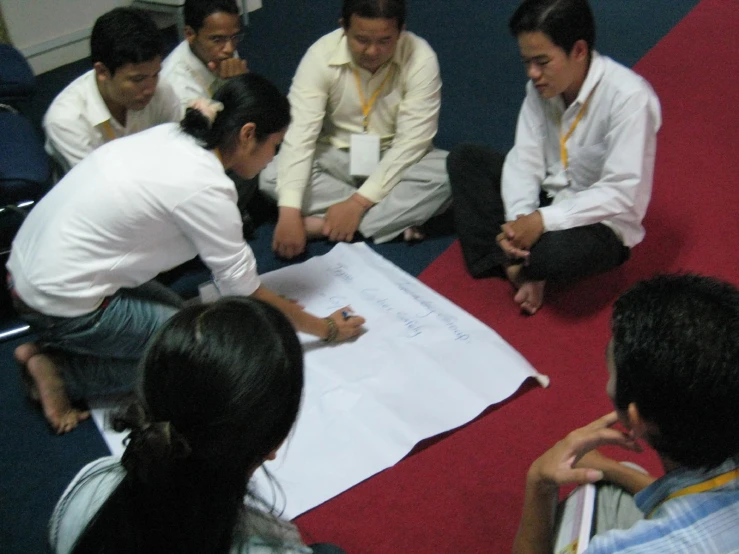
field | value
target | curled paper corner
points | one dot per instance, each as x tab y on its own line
543	380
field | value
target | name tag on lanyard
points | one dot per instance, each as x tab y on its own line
364	154
364	149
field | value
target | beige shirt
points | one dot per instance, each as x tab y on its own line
78	121
189	76
327	108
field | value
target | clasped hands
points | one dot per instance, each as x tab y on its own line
517	237
574	458
228	68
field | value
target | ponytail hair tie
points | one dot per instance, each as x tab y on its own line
152	448
209	108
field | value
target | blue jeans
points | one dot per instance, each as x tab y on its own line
99	353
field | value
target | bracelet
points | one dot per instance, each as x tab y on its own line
333	330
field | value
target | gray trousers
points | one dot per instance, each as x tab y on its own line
423	191
614	509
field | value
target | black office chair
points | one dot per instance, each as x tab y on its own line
25	168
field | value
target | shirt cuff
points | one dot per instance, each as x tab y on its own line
372	191
291	199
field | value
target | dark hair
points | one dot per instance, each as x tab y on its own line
563	21
676	355
374	9
196	11
221	388
248	98
124	35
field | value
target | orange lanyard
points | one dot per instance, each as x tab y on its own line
368	105
564	138
108	131
711	484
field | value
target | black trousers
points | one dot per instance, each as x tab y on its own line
474	174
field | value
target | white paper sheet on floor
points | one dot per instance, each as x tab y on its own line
424	366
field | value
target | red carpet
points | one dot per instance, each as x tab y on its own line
464	493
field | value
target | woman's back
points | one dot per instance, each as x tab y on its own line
259	532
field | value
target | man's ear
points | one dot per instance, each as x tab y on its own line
341	23
190	34
640	427
101	71
579	51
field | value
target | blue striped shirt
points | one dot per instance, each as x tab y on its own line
699	523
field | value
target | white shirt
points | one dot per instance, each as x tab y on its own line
132	209
611	154
189	76
326	107
78	121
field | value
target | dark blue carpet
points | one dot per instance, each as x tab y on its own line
483	89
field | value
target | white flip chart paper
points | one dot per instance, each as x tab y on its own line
424	366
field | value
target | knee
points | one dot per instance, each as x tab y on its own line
461	156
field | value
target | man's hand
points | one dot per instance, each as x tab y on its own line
342	220
524	231
230	67
559	465
289	238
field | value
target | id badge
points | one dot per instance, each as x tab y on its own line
364	154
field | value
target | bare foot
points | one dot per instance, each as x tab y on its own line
55	403
313	227
414	234
530	296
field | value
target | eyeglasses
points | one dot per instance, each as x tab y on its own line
221	40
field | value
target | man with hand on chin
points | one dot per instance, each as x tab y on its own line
358	156
568	200
207	57
673	364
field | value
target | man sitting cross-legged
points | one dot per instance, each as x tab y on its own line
569	199
358	156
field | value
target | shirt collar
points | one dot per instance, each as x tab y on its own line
652	496
595	74
97	110
199	70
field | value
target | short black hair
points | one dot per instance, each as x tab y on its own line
122	36
374	9
676	355
563	21
196	11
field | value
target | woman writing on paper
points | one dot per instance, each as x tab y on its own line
180	484
82	263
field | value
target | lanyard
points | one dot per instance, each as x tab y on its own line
564	138
711	484
368	105
108	131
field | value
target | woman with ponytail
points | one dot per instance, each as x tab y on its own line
82	263
212	408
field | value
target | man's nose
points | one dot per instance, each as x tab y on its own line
533	71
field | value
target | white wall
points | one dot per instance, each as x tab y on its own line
51	33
